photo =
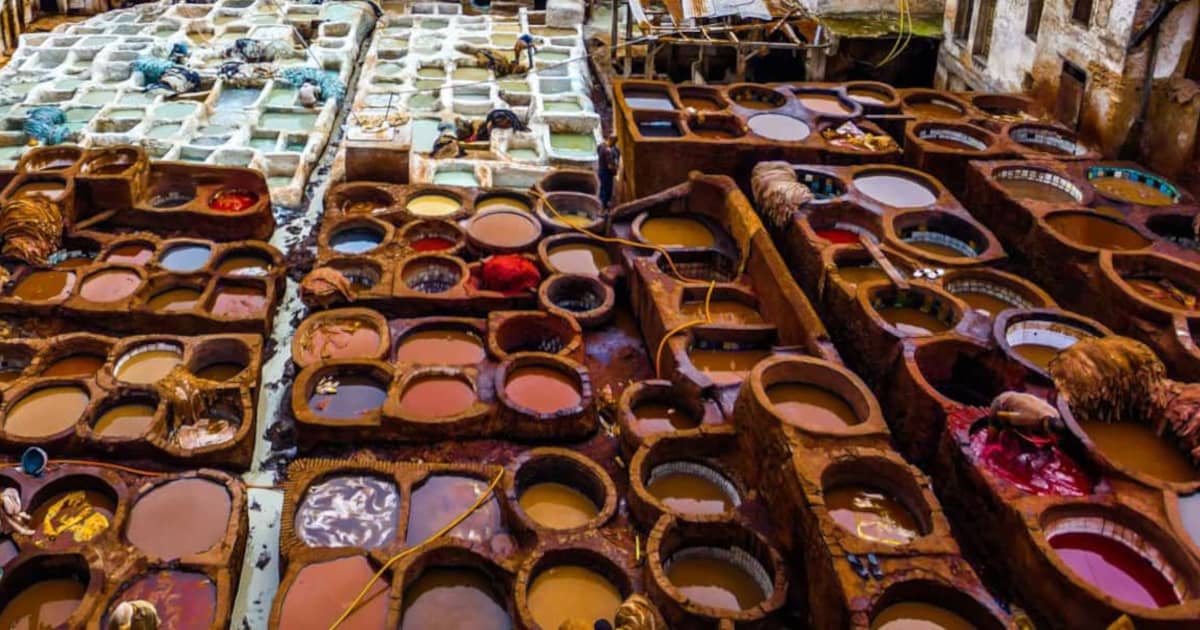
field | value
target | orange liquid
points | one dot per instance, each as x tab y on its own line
810	406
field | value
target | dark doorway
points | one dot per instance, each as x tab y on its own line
1071	84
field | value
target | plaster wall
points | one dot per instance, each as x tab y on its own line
1010	57
834	7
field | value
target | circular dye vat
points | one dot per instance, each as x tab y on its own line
730	579
1094	230
990	304
45	284
504	229
581	258
110	286
724	367
811	407
147	364
346	396
934	108
1138	188
232	200
340	339
81	364
867	96
238	301
1113	567
431	275
432	244
125	421
1040	189
437	396
356	240
189	257
778	127
349	511
46	411
442	498
433	205
180	518
171	198
722	312
184	600
838	236
501	202
661	417
323	590
440	347
692	488
130	254
872	515
44	604
244	265
1163	291
939	244
824	103
911	320
447	597
173	300
220	372
571	592
900	191
919	616
557	506
70	518
677	232
1032	468
1133	444
544	390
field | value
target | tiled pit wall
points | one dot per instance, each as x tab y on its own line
85	69
413	78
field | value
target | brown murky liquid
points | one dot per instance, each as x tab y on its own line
985	302
440	347
918	616
75	365
45	285
505	228
132	254
581	258
434	397
570	592
688	493
811	407
220	372
937	249
912	321
109	286
1037	191
723	312
726	366
125	421
715	582
715	133
243	265
148	366
46	411
180	518
322	591
181	299
1036	353
933	109
544	390
1164	292
1135	446
657	417
70	518
446	598
74	262
701	104
46	604
440	499
557	506
340	339
494	203
677	232
10	375
824	104
871	515
1131	191
859	275
1094	231
235	301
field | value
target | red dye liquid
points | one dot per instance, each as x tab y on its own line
432	244
1113	567
1039	470
233	200
838	237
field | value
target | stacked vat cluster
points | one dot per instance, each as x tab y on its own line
419	72
927	307
86	70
